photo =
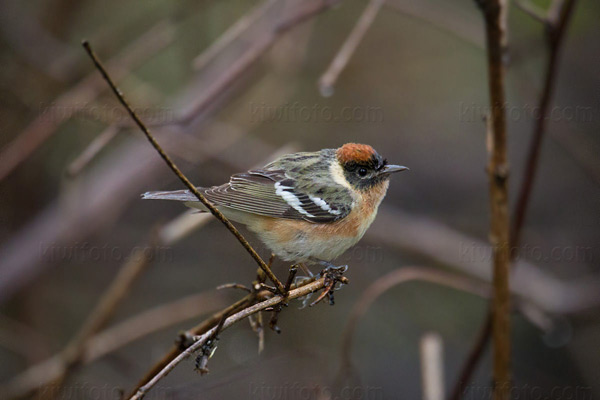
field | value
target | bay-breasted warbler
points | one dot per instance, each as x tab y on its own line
303	206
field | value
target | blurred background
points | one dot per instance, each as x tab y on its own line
227	85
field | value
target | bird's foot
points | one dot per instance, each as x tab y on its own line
329	267
334	279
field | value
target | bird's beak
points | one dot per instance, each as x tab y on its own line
390	169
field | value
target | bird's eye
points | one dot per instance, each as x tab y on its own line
362	172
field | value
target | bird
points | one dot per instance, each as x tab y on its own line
306	207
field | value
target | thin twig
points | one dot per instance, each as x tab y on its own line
328	79
213	210
234	286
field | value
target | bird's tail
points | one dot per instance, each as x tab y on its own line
178	195
190	200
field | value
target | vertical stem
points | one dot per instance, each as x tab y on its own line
498	180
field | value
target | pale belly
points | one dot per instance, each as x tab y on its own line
301	241
303	249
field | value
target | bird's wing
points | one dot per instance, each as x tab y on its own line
265	192
272	193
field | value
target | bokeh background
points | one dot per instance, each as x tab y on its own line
222	100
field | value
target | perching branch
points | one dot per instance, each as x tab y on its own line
301	291
213	210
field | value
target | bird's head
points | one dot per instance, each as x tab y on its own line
363	167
